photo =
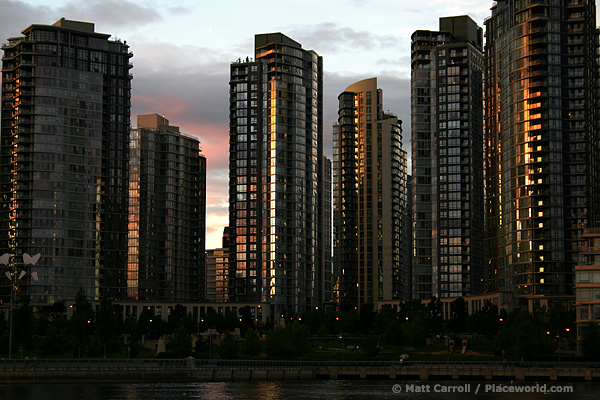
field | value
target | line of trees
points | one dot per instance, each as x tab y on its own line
98	333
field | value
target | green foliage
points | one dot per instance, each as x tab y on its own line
297	336
393	333
106	323
315	320
228	349
252	346
590	341
288	342
349	322
410	309
180	343
323	331
232	321
416	330
247	319
23	324
366	317
55	342
276	343
384	318
528	340
370	346
435	315
81	322
150	324
458	315
178	317
484	321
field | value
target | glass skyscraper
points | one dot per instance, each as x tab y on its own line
541	142
167	213
64	154
277	237
370	200
447	160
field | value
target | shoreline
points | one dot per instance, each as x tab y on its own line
191	370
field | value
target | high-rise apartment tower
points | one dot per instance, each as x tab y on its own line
447	160
64	155
167	213
541	142
276	176
370	230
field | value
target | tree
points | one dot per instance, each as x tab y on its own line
366	317
349	321
275	345
56	339
297	336
24	323
527	340
180	343
150	324
435	314
252	346
106	322
314	320
323	331
393	333
484	321
288	342
81	321
384	318
458	315
370	346
590	340
228	348
247	318
416	330
178	317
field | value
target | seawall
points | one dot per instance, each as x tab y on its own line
190	370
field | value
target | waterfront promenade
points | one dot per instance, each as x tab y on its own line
192	370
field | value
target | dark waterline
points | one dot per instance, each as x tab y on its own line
294	390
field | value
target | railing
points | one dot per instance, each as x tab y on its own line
145	364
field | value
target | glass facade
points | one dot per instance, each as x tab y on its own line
541	142
277	248
167	203
64	160
447	160
370	200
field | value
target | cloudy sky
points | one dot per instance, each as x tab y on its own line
183	48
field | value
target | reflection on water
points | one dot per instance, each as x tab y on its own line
287	390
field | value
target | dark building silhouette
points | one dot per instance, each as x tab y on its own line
541	143
447	160
167	213
371	253
64	156
278	238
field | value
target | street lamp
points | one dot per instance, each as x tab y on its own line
343	347
11	274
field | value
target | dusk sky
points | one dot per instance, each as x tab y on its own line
182	52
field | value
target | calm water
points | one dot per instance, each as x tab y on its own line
300	390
